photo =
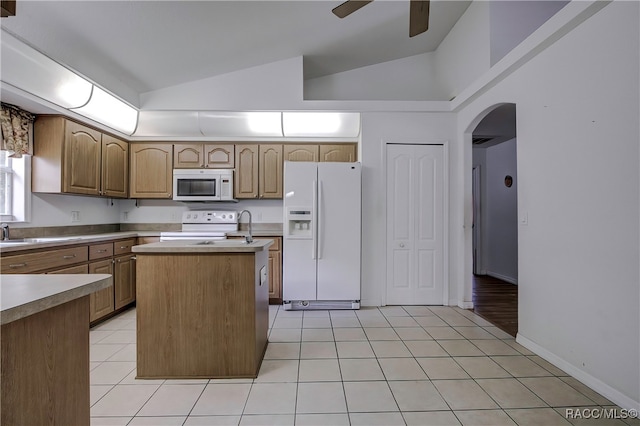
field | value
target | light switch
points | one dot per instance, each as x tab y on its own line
524	218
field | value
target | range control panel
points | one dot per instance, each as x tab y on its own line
210	216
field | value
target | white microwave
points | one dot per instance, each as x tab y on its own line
203	184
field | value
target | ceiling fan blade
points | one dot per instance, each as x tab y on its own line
348	7
418	17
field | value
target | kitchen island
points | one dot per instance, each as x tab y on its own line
45	348
202	308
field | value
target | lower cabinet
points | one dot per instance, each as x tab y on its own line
275	270
101	302
124	282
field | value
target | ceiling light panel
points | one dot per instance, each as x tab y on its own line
29	70
110	111
321	124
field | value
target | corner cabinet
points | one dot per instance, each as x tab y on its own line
151	170
258	171
70	158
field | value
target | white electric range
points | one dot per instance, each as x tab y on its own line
204	225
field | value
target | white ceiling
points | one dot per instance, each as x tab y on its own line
148	45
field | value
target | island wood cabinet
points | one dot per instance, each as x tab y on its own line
71	158
258	171
151	170
197	156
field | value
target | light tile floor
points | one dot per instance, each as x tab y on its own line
412	365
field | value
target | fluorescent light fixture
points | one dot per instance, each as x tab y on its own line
110	111
240	124
321	124
168	124
29	70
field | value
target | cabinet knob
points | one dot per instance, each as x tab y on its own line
401	244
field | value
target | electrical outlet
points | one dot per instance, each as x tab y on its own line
174	217
75	216
125	216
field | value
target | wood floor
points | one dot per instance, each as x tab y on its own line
497	302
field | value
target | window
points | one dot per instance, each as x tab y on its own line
15	188
6	183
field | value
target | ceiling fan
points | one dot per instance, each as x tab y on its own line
418	13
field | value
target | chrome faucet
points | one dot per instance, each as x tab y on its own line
5	231
248	238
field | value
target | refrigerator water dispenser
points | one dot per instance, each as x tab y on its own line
299	222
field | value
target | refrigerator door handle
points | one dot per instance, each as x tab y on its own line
314	218
319	216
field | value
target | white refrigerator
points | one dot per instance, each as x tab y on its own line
322	230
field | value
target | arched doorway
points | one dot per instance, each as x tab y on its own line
495	218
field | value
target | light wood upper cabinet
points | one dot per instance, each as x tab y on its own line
115	167
82	153
71	158
270	171
188	156
301	152
258	171
246	178
151	170
197	155
219	156
338	152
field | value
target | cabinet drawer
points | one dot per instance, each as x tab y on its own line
99	251
123	247
33	262
277	244
78	269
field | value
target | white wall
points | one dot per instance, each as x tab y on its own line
168	211
513	21
501	211
463	55
579	179
55	210
410	79
378	129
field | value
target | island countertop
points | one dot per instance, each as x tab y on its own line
204	246
28	294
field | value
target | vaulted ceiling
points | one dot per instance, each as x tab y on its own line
148	45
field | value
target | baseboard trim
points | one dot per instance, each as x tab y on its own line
596	384
510	280
461	304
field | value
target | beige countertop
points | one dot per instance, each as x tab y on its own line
24	295
32	243
204	246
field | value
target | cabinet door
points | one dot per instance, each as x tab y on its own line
246	179
301	152
82	150
115	167
341	153
101	302
151	170
188	156
270	170
275	269
124	282
219	156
